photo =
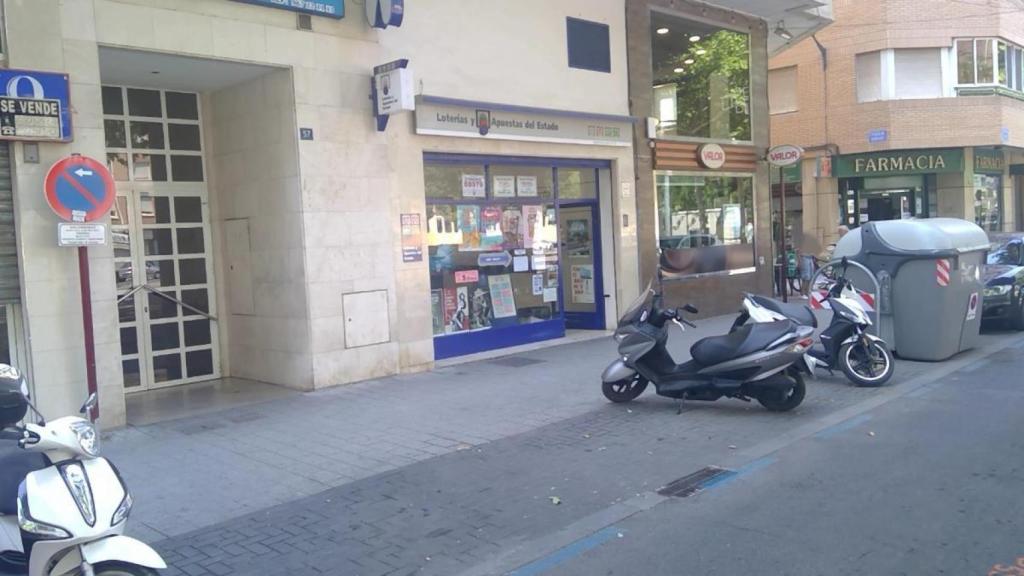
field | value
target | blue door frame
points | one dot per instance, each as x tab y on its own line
583	320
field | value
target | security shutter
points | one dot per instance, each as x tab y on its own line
9	287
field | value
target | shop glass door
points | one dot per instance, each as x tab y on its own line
582	292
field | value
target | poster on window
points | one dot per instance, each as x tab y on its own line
504	186
491	236
502	298
527	186
532	224
578	237
459	320
512	227
437	310
732	222
474	186
479	308
441	228
469	226
582	284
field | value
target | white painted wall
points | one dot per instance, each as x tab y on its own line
257	217
54	35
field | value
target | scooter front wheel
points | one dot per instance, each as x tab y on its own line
867	366
122	569
785	400
624	390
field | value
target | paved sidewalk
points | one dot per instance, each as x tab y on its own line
195	472
201	471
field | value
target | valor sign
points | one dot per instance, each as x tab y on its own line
34	106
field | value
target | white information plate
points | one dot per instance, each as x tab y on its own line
81	234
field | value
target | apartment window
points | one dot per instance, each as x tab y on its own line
869	76
918	73
701	79
782	90
982	61
589	45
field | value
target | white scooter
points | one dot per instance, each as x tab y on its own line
63	509
864	358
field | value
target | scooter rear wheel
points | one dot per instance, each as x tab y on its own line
122	569
624	390
785	400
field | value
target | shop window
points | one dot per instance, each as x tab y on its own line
701	79
492	237
589	45
577	183
455	181
988	202
705	223
782	90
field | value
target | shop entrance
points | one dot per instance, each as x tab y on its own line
887	198
160	226
583	294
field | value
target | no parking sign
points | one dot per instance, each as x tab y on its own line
79	189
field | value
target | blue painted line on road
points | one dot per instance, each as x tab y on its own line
567	552
975	365
843	426
745	470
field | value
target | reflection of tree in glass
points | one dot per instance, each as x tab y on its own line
716	80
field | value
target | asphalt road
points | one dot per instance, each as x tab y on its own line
931	482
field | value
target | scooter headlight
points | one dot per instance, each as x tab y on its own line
38	529
87	437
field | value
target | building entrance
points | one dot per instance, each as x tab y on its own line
160	226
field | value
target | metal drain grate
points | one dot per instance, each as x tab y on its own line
516	361
692	483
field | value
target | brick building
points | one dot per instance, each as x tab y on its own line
906	108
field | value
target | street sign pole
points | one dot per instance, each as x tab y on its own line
80	189
782	235
782	156
90	342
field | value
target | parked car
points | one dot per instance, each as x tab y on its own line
688	241
1004	282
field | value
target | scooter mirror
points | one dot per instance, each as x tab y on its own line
90	402
691	309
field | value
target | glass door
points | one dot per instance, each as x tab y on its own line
161	238
582	292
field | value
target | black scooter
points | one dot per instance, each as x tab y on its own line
760	361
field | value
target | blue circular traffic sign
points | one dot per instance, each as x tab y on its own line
79	188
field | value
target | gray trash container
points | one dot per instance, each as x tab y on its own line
929	272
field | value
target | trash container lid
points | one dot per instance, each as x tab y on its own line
925	237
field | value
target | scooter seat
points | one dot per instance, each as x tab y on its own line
745	340
799	313
15	465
